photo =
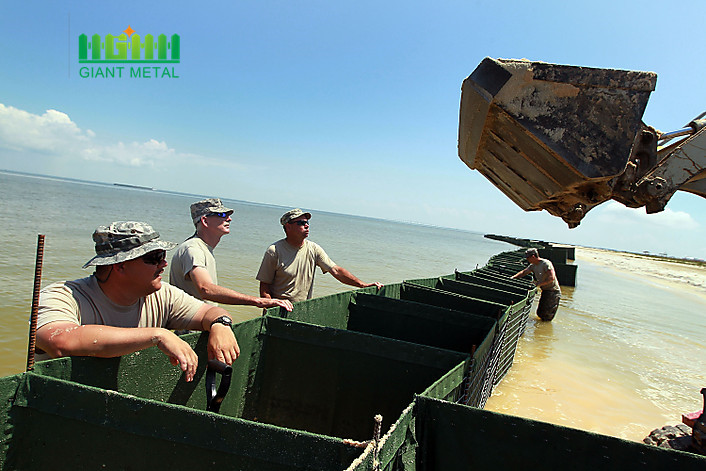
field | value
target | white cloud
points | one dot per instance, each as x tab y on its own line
21	130
616	213
134	154
54	133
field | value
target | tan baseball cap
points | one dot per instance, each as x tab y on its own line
208	206
293	214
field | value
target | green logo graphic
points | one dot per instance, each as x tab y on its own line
128	48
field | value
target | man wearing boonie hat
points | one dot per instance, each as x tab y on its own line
193	267
124	307
289	265
545	279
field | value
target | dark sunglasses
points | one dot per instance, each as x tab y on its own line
155	257
301	222
220	215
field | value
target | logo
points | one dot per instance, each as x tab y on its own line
139	54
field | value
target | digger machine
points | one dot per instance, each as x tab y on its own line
565	139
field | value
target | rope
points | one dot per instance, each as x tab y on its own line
376	438
372	444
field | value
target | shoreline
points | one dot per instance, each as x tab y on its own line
690	276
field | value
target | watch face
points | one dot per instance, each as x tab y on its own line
225	320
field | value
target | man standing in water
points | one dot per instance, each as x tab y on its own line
194	266
288	267
545	279
124	306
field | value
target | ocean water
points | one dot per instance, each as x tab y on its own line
622	357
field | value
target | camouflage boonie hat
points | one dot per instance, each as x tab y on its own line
125	240
208	206
530	252
293	214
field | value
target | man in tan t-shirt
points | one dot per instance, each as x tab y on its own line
288	266
193	266
545	279
124	307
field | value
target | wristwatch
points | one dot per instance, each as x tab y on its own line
225	320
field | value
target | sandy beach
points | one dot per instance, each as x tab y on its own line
691	278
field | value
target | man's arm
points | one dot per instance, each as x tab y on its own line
265	290
60	339
213	292
521	273
222	344
348	278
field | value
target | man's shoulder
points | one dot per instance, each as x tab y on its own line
546	263
80	291
277	246
191	243
311	245
70	285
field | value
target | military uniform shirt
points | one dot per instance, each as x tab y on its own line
290	271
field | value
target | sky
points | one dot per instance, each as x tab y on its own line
348	107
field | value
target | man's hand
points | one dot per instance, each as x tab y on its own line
377	284
222	344
269	302
179	352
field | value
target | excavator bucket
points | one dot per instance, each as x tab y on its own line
551	136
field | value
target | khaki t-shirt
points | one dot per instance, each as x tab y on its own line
290	271
82	302
541	271
192	253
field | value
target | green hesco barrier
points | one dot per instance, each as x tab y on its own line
514	327
494	275
482	371
55	424
148	373
334	382
480	291
479	279
409	321
454	437
331	310
427	295
515	320
500	272
289	374
312	380
452	386
418	323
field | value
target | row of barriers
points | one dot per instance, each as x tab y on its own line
422	356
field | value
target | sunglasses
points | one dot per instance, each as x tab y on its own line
301	222
155	257
220	215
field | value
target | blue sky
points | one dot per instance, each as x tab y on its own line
349	107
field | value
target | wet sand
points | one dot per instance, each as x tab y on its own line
624	354
679	275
